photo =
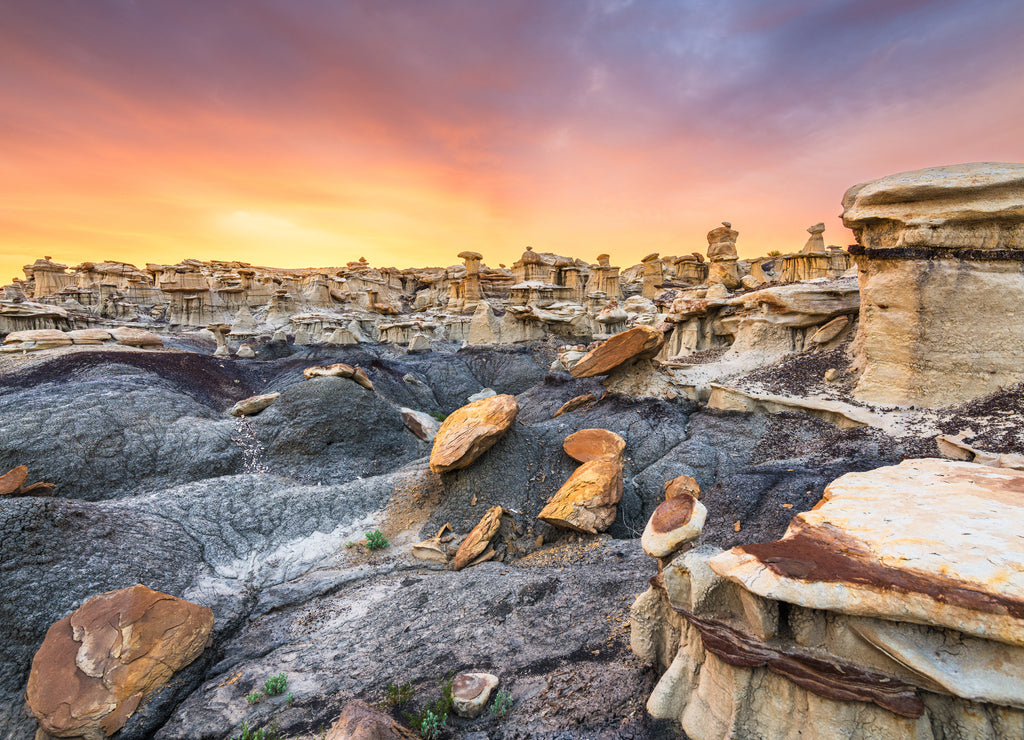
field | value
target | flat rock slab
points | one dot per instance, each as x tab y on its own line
928	541
638	343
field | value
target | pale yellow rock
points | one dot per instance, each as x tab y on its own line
930	541
90	336
135	337
831	330
673	524
50	337
588	501
470	431
253	405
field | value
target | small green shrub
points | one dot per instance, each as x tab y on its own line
432	725
275	685
396	696
270	732
439	416
775	253
255	697
502	705
376	540
290	699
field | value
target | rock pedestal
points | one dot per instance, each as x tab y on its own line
941	258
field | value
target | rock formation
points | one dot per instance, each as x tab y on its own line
936	250
471	692
640	342
588	501
470	431
816	243
476	547
360	721
900	633
98	663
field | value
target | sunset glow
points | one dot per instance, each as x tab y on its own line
312	133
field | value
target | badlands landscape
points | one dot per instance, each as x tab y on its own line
700	496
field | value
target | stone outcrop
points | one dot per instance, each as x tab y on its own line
675	523
360	721
816	243
638	343
903	612
939	249
98	663
588	501
594	444
470	431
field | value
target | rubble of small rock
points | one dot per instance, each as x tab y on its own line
699	497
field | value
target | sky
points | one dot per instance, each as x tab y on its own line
295	133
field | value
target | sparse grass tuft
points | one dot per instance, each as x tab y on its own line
397	695
270	732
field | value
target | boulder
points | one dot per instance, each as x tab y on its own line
89	336
420	342
130	337
588	501
12	480
482	394
594	444
470	431
360	721
928	541
422	425
675	523
434	549
638	343
245	352
253	404
337	370
96	664
359	375
471	692
831	330
39	338
474	549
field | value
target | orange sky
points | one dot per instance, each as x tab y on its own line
310	134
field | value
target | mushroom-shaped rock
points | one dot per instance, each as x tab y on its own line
12	480
684	485
471	692
360	721
588	501
96	664
130	337
640	342
253	404
594	444
337	370
675	523
474	549
470	431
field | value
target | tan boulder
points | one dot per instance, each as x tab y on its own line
588	501
360	721
470	431
831	330
253	404
422	425
674	524
130	337
39	338
89	336
337	370
359	375
471	692
96	664
434	549
639	343
474	549
594	444
684	485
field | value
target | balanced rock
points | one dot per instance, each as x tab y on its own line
253	404
360	721
639	343
475	548
675	523
594	444
471	692
96	664
816	243
130	337
588	501
684	485
722	243
928	541
470	431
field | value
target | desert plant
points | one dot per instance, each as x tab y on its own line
432	725
775	253
439	416
290	699
270	732
502	705
275	685
255	697
396	695
376	540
